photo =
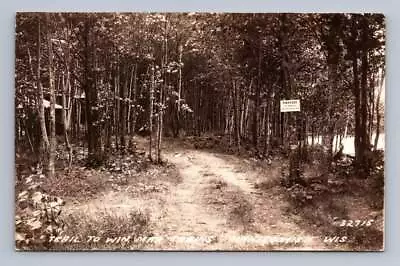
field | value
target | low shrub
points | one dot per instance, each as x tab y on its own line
114	232
37	218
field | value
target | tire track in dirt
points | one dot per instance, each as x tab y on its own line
184	214
187	215
185	221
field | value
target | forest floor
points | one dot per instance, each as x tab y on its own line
204	200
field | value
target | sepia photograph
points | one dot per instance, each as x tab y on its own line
199	131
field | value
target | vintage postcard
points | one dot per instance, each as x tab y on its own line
199	131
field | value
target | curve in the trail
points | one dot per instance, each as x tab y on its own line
187	215
185	221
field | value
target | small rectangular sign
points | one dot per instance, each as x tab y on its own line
290	106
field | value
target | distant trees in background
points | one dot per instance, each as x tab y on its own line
104	77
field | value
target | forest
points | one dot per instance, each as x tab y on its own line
169	126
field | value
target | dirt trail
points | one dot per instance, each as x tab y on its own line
185	221
187	215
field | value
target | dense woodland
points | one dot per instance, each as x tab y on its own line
98	80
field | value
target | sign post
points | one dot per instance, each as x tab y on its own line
287	106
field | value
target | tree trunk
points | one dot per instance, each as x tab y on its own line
285	79
161	98
365	141
117	125
356	92
95	155
378	114
267	135
132	103
312	134
151	100
122	115
64	116
52	125
371	100
257	99
236	114
42	117
178	114
129	100
160	124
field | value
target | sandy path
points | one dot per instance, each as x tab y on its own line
187	215
184	221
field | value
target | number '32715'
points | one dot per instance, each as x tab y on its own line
352	223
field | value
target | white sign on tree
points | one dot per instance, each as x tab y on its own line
290	106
